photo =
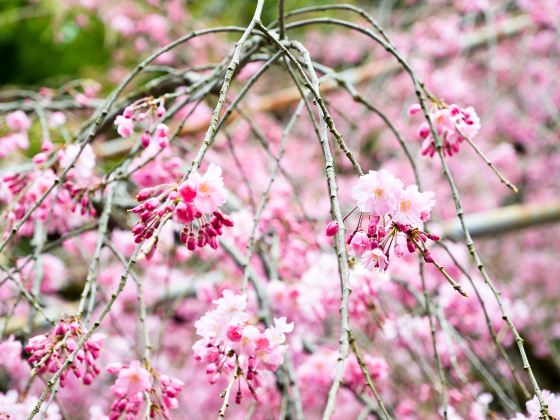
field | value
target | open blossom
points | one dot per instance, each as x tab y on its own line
453	124
413	207
125	126
145	113
230	341
377	192
194	204
375	258
359	243
133	381
209	190
48	352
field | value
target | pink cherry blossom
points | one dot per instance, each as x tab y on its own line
125	126
375	258
414	207
377	192
132	380
210	191
359	244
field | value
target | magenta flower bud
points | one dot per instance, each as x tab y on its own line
372	226
60	329
234	333
145	139
88	378
46	146
191	243
428	257
151	204
84	201
162	130
402	228
211	368
411	247
144	193
238	397
187	192
332	228
212	242
433	237
40	158
128	112
160	110
424	131
414	109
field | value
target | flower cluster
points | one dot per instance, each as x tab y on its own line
48	352
394	217
452	123
194	204
146	112
230	341
19	124
133	381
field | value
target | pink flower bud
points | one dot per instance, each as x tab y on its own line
40	158
114	368
145	139
144	193
234	333
187	192
160	110
151	204
331	228
162	130
128	112
433	237
414	109
46	146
